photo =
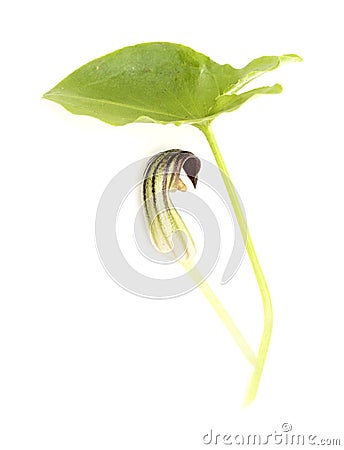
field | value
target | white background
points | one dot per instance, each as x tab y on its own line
86	365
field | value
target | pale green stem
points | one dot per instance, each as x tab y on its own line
263	287
221	311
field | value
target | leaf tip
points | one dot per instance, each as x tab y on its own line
289	58
49	95
277	88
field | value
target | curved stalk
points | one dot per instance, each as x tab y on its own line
263	287
220	311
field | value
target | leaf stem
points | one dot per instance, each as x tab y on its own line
221	311
263	287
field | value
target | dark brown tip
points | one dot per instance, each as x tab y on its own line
193	180
192	166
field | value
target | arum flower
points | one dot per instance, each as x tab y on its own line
168	231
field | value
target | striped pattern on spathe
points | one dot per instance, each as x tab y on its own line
162	175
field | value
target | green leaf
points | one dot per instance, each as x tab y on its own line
160	82
227	103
